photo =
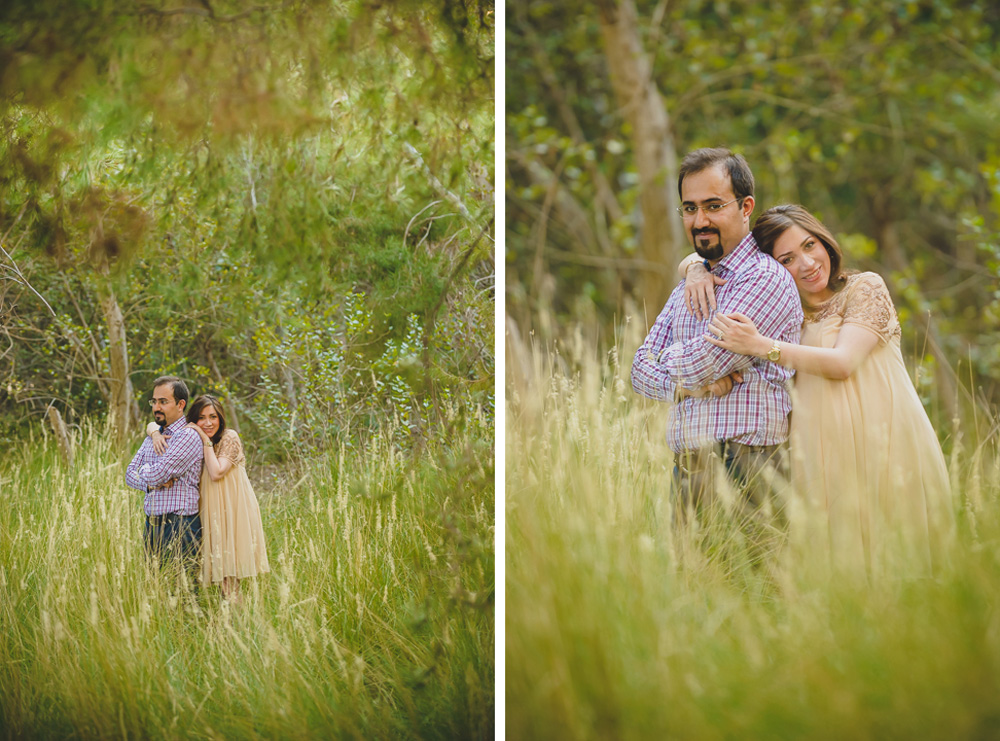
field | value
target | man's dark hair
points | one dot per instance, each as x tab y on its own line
701	159
195	411
178	386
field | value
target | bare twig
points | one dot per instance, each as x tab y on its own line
970	56
797	105
698	90
406	233
656	24
22	280
16	220
435	183
428	230
432	315
95	348
10	344
617	263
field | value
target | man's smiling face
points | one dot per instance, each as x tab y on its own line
166	410
715	235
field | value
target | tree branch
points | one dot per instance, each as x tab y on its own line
970	56
616	263
435	183
95	347
573	214
812	110
432	315
22	280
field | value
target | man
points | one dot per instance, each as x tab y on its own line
170	481
744	427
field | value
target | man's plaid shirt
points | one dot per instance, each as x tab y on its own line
181	461
676	353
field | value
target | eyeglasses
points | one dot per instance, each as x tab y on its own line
161	402
689	210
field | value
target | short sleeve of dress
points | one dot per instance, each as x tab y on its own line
231	447
870	305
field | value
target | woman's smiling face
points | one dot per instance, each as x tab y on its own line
208	420
806	258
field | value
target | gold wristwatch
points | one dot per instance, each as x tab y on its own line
774	354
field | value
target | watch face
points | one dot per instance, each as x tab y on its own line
773	354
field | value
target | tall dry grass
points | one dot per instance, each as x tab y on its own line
617	627
376	621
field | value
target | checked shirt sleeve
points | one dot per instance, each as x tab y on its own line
649	377
184	453
770	303
142	456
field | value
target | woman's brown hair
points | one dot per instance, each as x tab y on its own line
776	220
195	411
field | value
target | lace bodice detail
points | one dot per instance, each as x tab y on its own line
865	300
231	447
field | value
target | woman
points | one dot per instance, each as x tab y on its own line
863	450
233	545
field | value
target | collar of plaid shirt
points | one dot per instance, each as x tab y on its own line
177	425
737	258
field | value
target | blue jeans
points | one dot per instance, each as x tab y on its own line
757	476
173	537
759	472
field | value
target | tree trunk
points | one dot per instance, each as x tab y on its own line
63	438
122	406
661	233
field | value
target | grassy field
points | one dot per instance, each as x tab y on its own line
610	633
376	621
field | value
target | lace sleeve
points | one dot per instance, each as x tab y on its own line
870	305
231	447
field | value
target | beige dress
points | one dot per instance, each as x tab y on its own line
864	454
232	536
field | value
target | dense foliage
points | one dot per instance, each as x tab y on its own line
879	116
292	207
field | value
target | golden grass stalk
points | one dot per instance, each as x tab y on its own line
619	626
353	634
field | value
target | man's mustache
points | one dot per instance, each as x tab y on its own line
708	230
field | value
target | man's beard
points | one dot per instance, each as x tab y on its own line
159	417
714	252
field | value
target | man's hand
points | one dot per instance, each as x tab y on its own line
699	290
725	384
720	387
